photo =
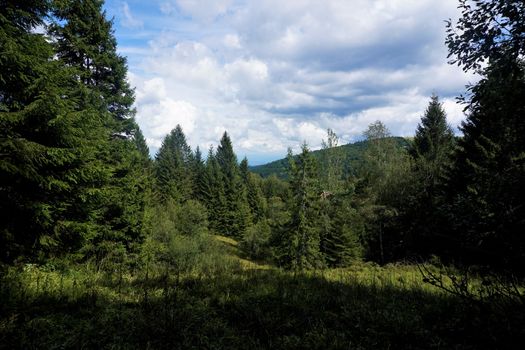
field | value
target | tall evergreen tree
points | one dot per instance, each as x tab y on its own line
51	131
237	215
434	138
83	38
340	231
302	241
173	167
216	200
201	183
431	151
253	192
486	184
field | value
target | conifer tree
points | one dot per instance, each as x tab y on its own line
173	167
302	241
486	184
201	183
50	133
253	192
83	38
340	231
237	214
431	152
216	201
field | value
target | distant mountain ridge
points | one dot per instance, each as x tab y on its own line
352	155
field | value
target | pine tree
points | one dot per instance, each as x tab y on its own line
237	214
434	142
83	38
201	184
486	184
431	152
216	201
340	231
302	241
173	167
50	135
253	192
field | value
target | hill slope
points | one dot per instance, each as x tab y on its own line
352	154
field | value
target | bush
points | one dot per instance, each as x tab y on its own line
256	241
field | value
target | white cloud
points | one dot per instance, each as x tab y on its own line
204	9
128	20
232	41
274	73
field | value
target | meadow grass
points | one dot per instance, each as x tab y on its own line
218	300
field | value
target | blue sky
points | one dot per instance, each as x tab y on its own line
275	73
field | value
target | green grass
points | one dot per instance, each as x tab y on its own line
220	301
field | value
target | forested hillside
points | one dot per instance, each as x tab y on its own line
390	242
352	159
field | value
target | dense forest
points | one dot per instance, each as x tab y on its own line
386	243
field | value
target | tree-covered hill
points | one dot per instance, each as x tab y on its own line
352	153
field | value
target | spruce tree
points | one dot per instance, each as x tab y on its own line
433	143
253	192
340	231
237	214
216	200
173	167
51	131
486	189
486	184
200	181
302	240
83	38
431	152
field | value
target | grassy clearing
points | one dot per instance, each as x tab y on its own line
221	301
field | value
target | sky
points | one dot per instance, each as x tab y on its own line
276	73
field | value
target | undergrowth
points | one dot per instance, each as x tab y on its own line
198	294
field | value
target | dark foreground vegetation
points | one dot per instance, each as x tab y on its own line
413	244
220	302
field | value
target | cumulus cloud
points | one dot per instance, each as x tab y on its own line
275	73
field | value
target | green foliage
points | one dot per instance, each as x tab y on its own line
352	159
332	158
49	146
367	306
256	241
173	167
385	182
301	243
432	154
488	31
486	187
341	232
254	195
236	212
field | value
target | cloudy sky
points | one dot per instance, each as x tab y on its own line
274	73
